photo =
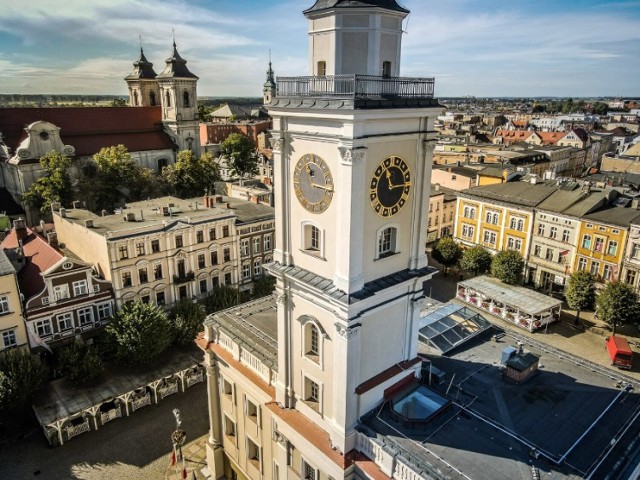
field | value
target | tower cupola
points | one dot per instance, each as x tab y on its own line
142	83
361	37
176	66
269	87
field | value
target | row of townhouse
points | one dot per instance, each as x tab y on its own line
168	249
56	297
558	227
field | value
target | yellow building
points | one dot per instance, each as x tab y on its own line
500	216
602	241
12	327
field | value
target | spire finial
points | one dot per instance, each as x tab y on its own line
140	38
173	34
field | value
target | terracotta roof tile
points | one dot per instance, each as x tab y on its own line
386	375
89	129
40	256
551	138
368	467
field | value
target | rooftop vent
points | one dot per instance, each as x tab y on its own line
130	217
88	223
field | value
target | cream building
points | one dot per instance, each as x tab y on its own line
290	376
13	333
167	249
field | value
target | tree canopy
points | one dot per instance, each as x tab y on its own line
141	332
192	176
241	155
617	304
446	252
80	363
186	321
54	186
507	266
581	292
476	259
21	374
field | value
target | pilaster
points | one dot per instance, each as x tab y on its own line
215	462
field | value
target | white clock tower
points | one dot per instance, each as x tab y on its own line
353	147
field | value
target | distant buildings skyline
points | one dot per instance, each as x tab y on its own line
499	49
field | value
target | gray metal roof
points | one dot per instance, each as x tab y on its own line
527	301
516	193
321	5
252	325
143	69
5	265
176	66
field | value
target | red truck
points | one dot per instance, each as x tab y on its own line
619	352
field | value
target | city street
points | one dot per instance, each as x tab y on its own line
135	447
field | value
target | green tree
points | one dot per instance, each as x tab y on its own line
192	176
54	186
446	252
118	102
220	298
204	112
507	266
241	155
21	375
617	304
80	363
581	292
263	286
141	332
476	259
600	108
186	320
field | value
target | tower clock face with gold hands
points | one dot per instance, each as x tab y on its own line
313	183
390	186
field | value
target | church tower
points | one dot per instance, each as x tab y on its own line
269	87
179	101
142	83
353	146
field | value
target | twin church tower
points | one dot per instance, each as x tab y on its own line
174	90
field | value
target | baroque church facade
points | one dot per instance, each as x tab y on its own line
290	376
161	119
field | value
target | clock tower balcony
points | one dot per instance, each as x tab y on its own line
360	91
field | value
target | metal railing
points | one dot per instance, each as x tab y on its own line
355	87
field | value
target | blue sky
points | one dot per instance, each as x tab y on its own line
472	47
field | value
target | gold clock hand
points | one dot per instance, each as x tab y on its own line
406	184
390	183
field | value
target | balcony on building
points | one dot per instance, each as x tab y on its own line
354	90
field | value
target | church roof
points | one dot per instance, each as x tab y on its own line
321	5
143	69
89	129
176	66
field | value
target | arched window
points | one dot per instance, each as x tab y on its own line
185	99
168	98
135	99
312	338
152	99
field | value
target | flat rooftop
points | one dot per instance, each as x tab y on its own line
561	422
149	214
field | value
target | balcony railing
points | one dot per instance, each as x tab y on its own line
187	277
355	87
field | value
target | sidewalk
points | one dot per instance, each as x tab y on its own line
195	456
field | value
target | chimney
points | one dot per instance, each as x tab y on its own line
63	212
20	228
88	223
52	238
42	229
141	215
55	206
437	187
76	204
103	213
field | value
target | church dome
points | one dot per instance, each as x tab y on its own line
321	5
143	69
176	66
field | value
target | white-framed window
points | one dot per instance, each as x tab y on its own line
514	243
227	389
565	235
598	245
469	212
554	232
85	316
123	252
246	271
60	292
582	264
492	217
80	288
595	267
229	428
537	250
257	267
267	242
612	248
489	237
65	321
311	393
586	241
312	339
607	272
43	327
244	247
312	238
516	223
256	244
467	231
541	229
104	310
635	250
387	241
126	279
549	254
253	453
9	339
251	409
4	304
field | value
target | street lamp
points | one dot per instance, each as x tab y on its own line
179	436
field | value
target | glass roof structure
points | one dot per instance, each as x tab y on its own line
450	326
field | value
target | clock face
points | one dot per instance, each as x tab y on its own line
313	183
390	186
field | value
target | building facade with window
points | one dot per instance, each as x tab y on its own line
164	250
256	241
13	333
64	299
442	211
631	260
500	216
